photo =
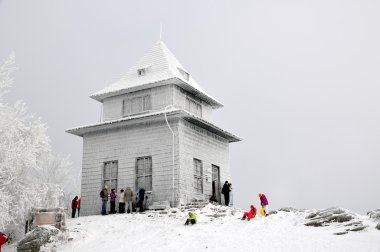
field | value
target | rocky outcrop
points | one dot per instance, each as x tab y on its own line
291	209
36	238
375	215
341	218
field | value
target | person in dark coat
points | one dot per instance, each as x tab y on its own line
104	197
140	204
226	193
74	205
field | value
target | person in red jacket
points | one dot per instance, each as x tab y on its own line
78	206
3	239
251	214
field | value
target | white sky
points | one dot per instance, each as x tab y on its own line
300	82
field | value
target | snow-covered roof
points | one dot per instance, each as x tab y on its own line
161	67
80	131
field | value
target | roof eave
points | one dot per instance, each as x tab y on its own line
174	80
81	131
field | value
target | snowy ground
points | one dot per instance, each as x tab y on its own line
219	229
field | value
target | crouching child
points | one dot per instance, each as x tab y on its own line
251	214
191	219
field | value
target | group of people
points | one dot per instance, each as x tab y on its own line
252	213
126	199
75	205
192	219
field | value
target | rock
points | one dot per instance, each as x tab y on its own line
286	209
36	238
378	226
375	214
335	216
358	228
312	215
341	233
272	212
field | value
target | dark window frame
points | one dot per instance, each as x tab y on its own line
144	174
198	175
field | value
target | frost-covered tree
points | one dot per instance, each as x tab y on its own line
29	174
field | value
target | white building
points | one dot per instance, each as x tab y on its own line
135	146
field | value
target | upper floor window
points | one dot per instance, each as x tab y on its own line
185	74
137	105
193	107
143	71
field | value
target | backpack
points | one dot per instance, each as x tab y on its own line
101	194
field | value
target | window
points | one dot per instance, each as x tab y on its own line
110	174
141	72
185	74
198	176
137	105
193	107
144	173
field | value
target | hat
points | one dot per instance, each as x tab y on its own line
252	206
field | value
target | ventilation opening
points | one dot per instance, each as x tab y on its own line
141	71
185	74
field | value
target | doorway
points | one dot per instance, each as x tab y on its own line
216	183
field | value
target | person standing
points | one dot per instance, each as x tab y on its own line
104	197
3	240
78	205
226	193
264	203
129	199
74	206
122	201
141	199
113	201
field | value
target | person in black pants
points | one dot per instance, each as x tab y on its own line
74	206
141	199
226	193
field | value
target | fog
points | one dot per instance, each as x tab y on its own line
299	81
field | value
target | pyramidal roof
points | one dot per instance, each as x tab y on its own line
160	68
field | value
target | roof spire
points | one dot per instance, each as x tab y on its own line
160	31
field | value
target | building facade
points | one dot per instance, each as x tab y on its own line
156	133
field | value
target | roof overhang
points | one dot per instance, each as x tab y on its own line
99	96
173	113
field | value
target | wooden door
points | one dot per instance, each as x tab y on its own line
216	182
